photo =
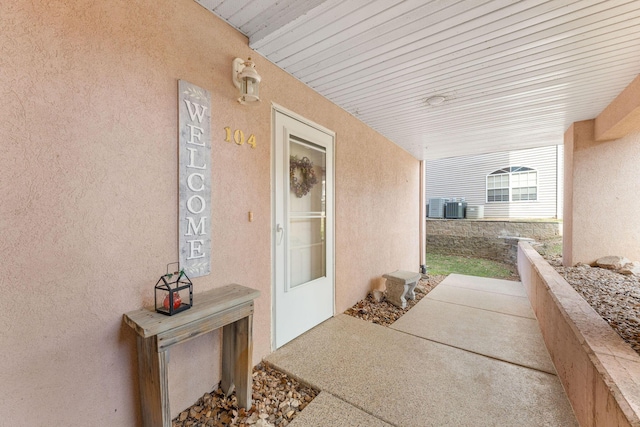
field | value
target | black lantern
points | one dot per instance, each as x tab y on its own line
171	292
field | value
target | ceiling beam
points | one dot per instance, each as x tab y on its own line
283	17
622	115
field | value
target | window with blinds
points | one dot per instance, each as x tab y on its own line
513	183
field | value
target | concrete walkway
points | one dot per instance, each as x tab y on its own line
468	354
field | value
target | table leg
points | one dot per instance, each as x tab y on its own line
154	385
237	350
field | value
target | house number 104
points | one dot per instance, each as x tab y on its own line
238	137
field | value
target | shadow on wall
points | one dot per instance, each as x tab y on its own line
378	284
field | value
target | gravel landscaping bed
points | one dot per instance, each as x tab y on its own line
384	313
277	399
614	296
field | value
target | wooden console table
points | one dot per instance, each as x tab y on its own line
229	307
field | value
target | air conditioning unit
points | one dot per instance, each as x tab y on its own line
455	210
475	211
436	207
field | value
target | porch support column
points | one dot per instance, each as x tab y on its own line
601	185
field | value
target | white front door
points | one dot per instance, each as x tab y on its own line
303	226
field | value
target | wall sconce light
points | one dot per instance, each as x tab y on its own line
247	80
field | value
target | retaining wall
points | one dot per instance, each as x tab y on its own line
599	371
497	240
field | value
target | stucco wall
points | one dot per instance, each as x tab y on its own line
601	215
567	225
88	128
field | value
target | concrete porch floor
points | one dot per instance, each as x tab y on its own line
468	354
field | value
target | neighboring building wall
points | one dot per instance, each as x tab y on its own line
89	198
602	206
466	177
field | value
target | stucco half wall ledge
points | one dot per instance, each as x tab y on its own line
599	371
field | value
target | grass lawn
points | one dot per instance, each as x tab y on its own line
550	248
447	264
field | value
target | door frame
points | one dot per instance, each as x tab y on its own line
276	108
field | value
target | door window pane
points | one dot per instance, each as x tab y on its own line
307	212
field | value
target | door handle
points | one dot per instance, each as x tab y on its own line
280	229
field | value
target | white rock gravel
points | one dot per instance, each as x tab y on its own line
614	296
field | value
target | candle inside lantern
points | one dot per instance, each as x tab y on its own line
176	301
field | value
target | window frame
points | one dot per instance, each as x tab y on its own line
509	172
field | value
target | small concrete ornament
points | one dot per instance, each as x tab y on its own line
195	179
401	286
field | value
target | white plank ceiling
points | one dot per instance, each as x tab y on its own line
514	73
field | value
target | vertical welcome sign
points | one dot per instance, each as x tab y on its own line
195	179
